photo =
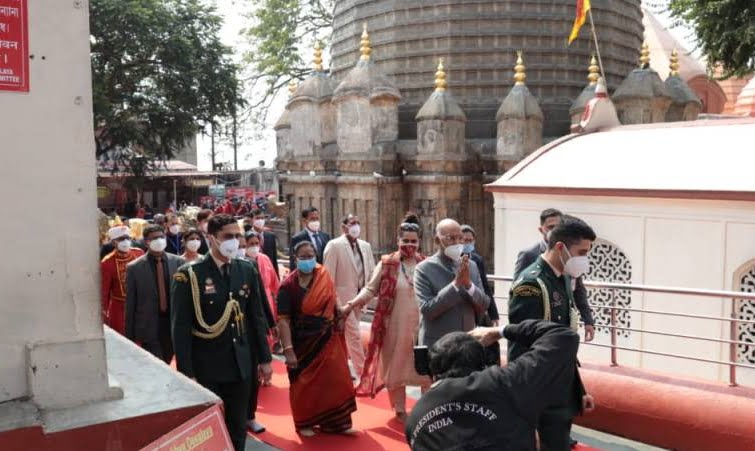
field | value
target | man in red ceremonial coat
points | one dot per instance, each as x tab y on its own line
113	270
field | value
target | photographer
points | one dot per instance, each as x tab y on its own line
471	407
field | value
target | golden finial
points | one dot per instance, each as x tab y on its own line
318	57
440	77
674	63
292	85
594	71
365	47
519	75
645	56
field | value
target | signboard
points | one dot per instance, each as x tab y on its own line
216	191
204	432
14	46
201	183
240	193
103	192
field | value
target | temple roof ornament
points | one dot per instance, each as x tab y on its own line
519	75
318	58
645	56
440	77
292	85
365	47
593	71
674	63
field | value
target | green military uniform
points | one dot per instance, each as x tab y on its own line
223	344
541	294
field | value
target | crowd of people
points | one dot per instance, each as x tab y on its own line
212	297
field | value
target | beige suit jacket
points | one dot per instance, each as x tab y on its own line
340	263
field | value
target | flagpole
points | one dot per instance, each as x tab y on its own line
597	47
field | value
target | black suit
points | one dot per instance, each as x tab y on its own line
492	308
226	364
528	257
270	248
204	246
304	236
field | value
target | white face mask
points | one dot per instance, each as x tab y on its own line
355	230
252	251
174	229
124	245
158	245
454	251
193	245
576	266
258	223
241	253
229	248
314	226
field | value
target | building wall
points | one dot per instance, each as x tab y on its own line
675	243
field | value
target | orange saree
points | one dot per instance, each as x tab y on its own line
321	392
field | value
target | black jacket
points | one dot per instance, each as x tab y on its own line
233	355
303	235
492	308
498	408
270	248
528	257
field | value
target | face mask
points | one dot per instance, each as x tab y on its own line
408	250
158	245
306	266
193	245
314	226
252	251
259	223
355	230
454	251
124	245
469	248
575	266
174	229
241	253
203	227
229	248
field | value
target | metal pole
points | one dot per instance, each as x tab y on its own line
597	47
175	197
732	346
614	359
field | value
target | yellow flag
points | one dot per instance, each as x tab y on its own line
583	6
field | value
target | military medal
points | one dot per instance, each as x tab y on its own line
209	286
557	299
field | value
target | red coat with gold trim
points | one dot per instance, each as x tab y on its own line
113	270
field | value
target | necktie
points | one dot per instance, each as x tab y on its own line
359	263
226	271
318	243
161	292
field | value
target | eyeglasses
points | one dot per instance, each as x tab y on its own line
409	227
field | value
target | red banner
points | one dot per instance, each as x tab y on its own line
14	46
204	432
241	193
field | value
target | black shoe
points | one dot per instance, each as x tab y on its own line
573	442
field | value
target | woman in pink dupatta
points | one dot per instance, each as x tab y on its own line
390	357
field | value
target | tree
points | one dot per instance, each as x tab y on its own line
725	30
279	30
160	73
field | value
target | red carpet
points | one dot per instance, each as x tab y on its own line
373	419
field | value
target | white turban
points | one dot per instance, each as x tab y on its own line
117	232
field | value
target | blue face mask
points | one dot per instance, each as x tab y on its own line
306	266
469	248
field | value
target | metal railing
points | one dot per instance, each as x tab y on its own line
614	327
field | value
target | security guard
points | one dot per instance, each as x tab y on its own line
218	325
544	291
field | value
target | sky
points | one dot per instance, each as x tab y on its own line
254	148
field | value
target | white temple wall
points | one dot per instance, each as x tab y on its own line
666	242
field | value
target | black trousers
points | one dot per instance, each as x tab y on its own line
163	347
554	429
235	396
254	390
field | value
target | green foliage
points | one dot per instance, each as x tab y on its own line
159	73
725	30
281	32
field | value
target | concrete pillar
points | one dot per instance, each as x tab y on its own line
51	334
520	119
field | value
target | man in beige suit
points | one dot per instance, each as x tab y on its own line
350	262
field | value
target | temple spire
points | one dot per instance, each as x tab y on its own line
318	57
593	71
365	47
674	63
645	56
519	75
292	85
440	78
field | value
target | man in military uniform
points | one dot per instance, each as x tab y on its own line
113	277
544	291
218	325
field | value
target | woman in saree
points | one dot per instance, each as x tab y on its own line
321	393
389	362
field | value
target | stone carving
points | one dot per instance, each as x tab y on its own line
746	311
609	263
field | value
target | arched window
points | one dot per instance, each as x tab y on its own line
744	280
608	263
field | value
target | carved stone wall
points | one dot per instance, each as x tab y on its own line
746	311
608	263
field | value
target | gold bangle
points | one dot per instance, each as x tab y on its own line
286	348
